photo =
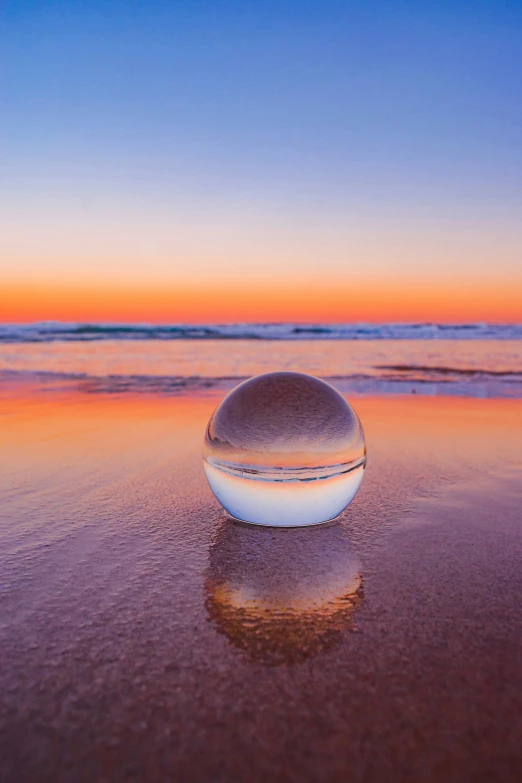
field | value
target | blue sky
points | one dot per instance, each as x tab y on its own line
326	93
275	115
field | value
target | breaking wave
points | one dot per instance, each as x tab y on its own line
67	332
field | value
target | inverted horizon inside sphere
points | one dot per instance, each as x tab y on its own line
284	449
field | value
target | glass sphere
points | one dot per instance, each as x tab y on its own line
284	449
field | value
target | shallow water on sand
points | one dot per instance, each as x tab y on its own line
466	367
146	637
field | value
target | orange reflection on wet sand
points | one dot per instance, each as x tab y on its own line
48	428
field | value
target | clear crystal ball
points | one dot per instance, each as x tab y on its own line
284	449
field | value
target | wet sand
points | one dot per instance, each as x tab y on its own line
144	637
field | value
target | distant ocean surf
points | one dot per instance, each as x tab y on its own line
479	360
52	331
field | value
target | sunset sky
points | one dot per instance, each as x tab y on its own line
261	161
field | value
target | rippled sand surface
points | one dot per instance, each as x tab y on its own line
146	638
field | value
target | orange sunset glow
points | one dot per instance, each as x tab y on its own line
283	302
297	176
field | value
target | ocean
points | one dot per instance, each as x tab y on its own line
478	360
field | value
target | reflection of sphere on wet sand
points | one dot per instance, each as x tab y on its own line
280	595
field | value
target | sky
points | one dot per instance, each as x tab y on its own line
185	161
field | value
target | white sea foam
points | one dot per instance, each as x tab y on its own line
51	331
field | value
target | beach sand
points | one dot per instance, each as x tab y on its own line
144	637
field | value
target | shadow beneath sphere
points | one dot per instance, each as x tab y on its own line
282	596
